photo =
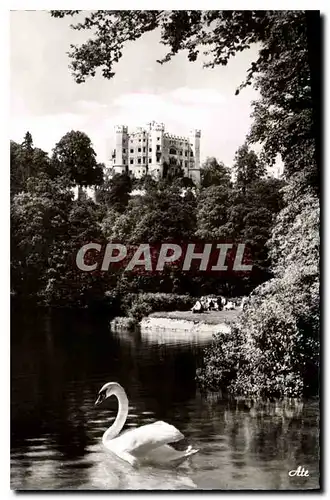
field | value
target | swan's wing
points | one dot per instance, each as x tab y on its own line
141	440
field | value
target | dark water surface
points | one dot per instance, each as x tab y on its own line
59	362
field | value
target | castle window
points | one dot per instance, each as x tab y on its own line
180	153
149	160
130	171
186	164
144	150
139	150
172	151
158	147
158	138
150	150
131	161
139	160
131	150
191	154
124	150
186	153
124	162
144	159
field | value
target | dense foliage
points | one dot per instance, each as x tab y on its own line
274	349
75	159
26	161
139	305
49	225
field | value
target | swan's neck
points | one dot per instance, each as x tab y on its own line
118	424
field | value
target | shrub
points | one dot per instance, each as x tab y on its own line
273	350
140	305
220	363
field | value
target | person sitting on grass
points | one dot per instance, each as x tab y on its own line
198	307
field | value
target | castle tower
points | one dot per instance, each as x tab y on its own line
120	162
194	166
156	144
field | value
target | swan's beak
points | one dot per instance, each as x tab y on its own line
101	397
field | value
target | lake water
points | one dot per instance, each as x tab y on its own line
59	362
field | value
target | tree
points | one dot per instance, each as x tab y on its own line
47	229
213	208
248	168
161	214
267	193
214	173
75	159
115	192
221	34
26	161
17	176
38	218
226	214
27	149
64	283
284	117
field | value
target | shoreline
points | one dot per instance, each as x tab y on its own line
186	321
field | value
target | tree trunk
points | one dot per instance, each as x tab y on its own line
80	192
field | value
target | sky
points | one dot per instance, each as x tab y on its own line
47	102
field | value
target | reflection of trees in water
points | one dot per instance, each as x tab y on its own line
45	398
160	375
257	422
278	429
265	431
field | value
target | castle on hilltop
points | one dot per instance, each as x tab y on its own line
153	151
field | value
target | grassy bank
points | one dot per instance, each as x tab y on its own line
210	318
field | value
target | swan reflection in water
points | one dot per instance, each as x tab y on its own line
112	473
145	445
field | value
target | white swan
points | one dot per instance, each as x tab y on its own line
148	443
